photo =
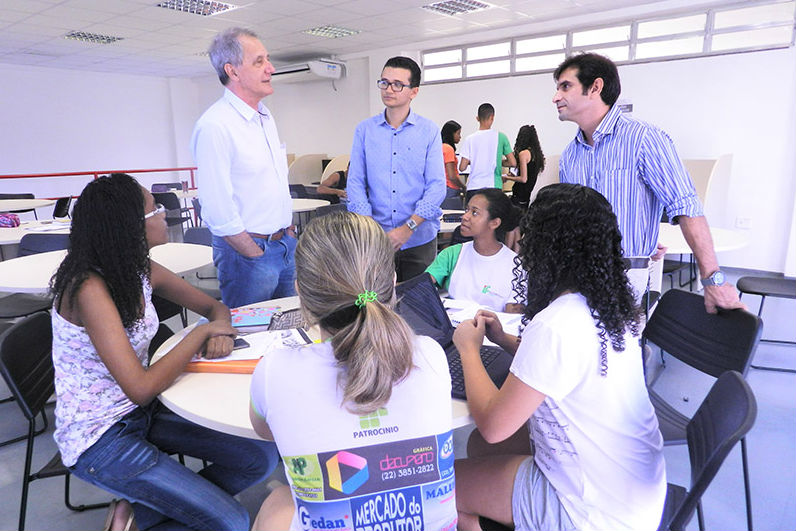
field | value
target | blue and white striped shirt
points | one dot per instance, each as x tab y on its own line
395	173
635	166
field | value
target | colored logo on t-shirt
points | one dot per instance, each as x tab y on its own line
485	289
372	420
348	459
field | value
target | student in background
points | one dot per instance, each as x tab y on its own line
530	163
111	429
333	187
351	402
577	375
451	135
483	151
482	270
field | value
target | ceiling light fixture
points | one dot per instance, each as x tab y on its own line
331	32
205	8
456	7
93	38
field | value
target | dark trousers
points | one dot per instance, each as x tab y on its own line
413	261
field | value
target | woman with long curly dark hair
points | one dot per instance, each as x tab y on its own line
530	163
110	428
576	380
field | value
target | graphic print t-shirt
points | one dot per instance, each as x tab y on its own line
392	469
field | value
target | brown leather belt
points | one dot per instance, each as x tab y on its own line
275	237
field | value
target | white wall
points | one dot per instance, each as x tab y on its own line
60	120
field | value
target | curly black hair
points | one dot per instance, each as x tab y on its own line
571	242
108	237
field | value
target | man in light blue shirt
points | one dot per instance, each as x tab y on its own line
635	166
397	175
242	175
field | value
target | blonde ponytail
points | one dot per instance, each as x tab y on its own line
340	258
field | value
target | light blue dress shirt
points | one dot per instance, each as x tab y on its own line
635	166
395	173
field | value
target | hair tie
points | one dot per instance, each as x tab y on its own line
364	298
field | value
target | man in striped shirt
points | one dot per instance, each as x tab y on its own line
635	166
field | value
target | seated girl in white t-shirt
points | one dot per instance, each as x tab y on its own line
576	386
363	419
482	270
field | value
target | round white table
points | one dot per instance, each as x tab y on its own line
13	235
447	227
9	205
307	205
31	274
723	239
221	401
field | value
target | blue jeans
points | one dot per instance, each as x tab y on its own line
248	280
131	461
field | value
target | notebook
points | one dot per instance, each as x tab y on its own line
420	306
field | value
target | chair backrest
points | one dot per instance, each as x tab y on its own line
61	208
306	169
36	243
338	163
165	308
328	209
711	343
19	196
165	187
724	418
26	362
298	191
198	236
168	200
197	207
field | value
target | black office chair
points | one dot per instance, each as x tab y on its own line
328	209
165	187
725	417
22	304
176	214
197	209
27	368
203	236
167	309
21	196
61	208
298	191
710	343
769	287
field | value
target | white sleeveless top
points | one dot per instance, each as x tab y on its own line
89	400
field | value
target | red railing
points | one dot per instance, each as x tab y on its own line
96	174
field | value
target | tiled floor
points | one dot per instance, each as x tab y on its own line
771	443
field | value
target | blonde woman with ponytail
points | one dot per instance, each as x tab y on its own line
363	419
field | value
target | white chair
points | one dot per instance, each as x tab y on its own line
306	169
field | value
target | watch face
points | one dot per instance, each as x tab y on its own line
718	278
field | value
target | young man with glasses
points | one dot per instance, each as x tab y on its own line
397	175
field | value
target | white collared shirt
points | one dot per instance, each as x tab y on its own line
241	169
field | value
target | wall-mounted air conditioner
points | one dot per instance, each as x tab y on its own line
315	70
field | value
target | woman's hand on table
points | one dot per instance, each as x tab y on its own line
220	339
469	336
495	333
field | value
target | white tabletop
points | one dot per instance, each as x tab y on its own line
12	235
7	205
446	227
31	274
186	194
723	239
307	205
221	401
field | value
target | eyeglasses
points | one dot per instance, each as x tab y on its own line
159	209
397	86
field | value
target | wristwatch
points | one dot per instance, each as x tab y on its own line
716	279
411	224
